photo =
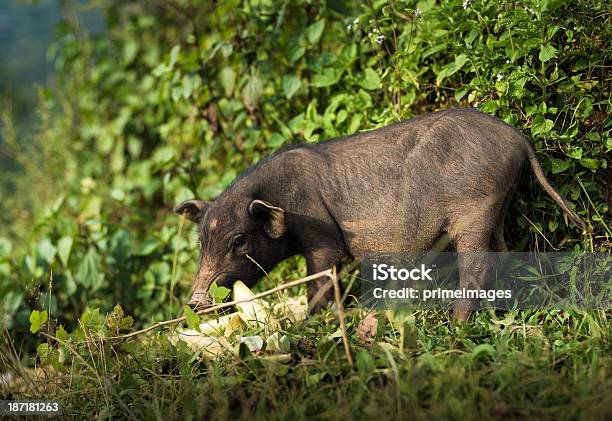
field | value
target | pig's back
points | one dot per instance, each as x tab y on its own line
394	186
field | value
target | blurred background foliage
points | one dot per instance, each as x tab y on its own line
174	98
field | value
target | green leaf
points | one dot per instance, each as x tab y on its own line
88	273
227	76
64	246
559	165
37	319
314	31
275	141
547	52
370	80
329	77
338	6
147	247
541	125
61	334
591	164
365	363
176	93
452	68
552	226
291	84
252	91
130	49
91	318
174	54
159	273
218	293
5	247
192	318
46	250
482	349
295	51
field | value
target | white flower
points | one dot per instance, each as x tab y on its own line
417	13
499	77
349	26
507	61
466	3
380	39
475	105
356	21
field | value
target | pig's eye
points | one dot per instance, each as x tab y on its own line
239	241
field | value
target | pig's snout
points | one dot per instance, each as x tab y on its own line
200	301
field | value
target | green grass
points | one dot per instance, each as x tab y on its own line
548	365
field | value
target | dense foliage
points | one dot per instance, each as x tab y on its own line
177	97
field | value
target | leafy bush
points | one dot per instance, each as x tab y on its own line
178	96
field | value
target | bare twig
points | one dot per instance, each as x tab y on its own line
341	316
325	273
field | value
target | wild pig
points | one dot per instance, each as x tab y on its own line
395	189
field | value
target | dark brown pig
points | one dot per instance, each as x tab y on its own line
399	188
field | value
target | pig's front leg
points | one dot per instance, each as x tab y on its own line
320	292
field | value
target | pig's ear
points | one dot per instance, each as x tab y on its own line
273	217
192	209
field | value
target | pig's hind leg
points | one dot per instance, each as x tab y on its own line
473	244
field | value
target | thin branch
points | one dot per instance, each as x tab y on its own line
341	316
326	273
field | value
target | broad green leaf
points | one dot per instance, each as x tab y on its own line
452	68
369	80
218	293
37	319
176	93
64	246
339	6
46	250
314	31
227	76
552	226
61	334
174	54
355	123
575	152
130	49
547	52
329	77
295	51
88	273
291	84
541	125
252	91
91	318
5	246
192	318
158	273
589	163
559	165
147	247
275	141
